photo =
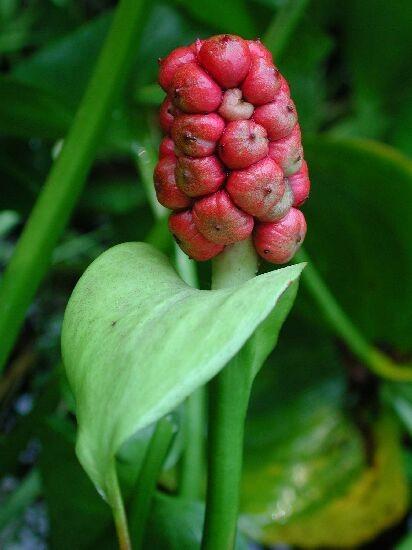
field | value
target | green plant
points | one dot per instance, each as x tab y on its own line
339	378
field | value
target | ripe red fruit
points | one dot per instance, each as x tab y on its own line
300	185
167	115
169	65
257	49
189	239
243	143
167	147
194	91
226	58
279	210
257	188
262	82
199	176
277	242
232	158
197	135
167	192
288	152
220	221
233	107
279	117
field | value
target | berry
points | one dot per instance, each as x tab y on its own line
167	147
279	117
243	143
288	152
226	58
220	221
197	135
194	91
189	239
262	82
169	65
233	107
277	242
231	163
279	209
199	176
300	185
167	115
257	188
167	192
257	49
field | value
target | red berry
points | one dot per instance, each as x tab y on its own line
193	91
220	221
167	147
167	192
300	185
170	64
199	176
279	117
279	209
233	107
197	135
167	114
189	239
258	188
243	143
288	152
277	242
262	82
257	49
226	58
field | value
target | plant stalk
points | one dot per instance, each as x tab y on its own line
229	398
146	482
377	362
64	184
118	511
193	457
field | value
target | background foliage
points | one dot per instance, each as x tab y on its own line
328	454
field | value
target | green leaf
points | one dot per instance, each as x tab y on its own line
78	517
176	524
137	340
295	466
376	499
27	111
64	66
360	220
233	16
371	26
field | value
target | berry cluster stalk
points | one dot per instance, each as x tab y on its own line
229	398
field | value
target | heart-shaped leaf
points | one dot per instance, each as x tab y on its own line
137	341
360	216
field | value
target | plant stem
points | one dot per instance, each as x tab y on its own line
278	33
193	456
118	511
146	483
229	398
375	360
64	184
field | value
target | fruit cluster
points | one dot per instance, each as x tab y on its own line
231	164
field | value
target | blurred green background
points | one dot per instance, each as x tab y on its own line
328	458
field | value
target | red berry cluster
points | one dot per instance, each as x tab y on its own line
231	163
